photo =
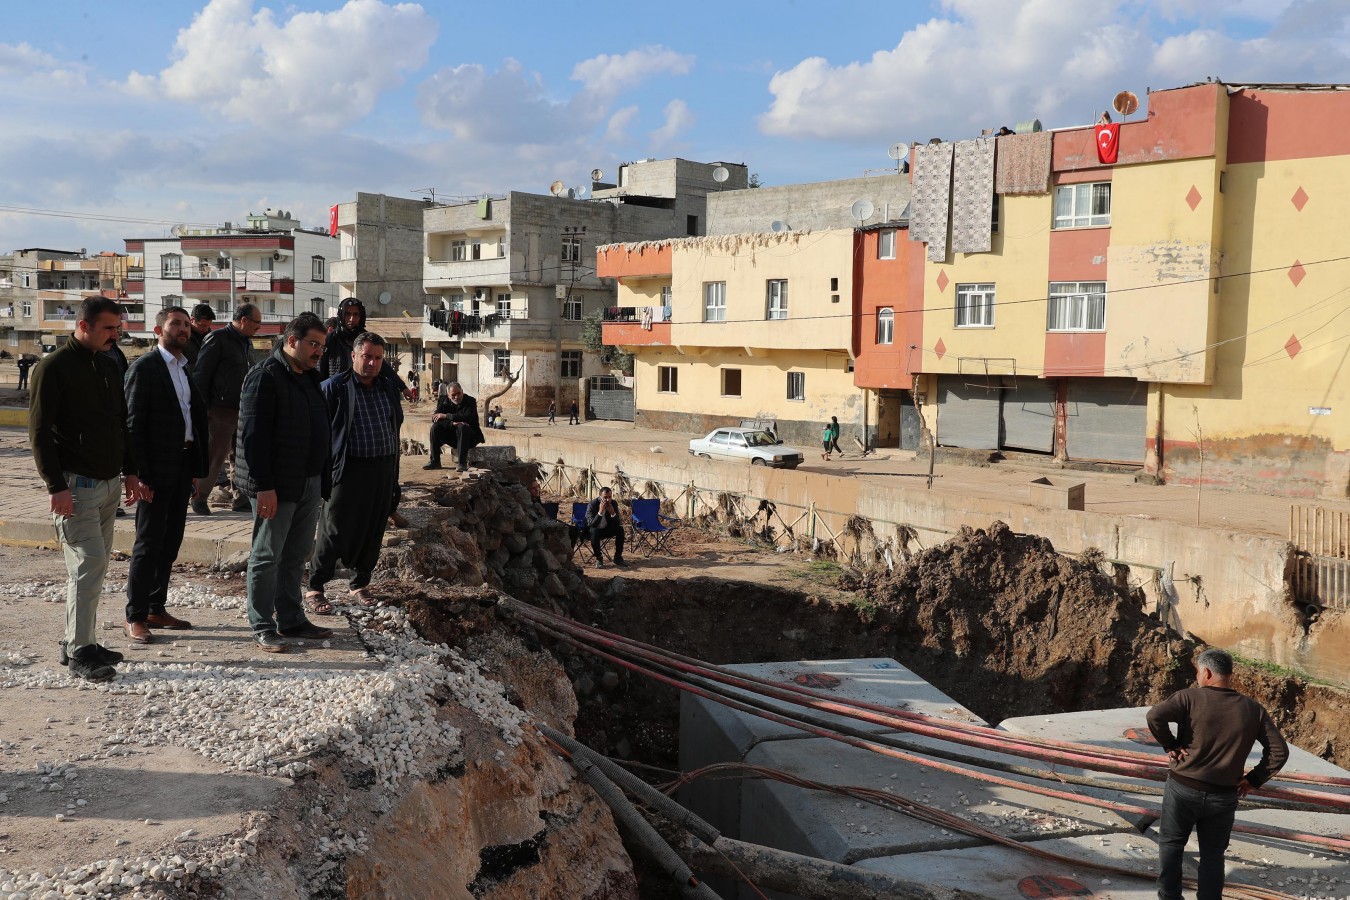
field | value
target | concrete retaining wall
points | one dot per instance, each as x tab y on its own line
1230	589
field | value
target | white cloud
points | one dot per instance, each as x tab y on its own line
318	70
509	105
679	119
35	70
987	63
607	75
616	132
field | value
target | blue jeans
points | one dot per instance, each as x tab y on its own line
86	540
276	564
1211	815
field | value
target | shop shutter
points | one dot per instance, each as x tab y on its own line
1107	420
968	414
1029	415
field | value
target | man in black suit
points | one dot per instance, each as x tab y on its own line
455	422
166	418
602	520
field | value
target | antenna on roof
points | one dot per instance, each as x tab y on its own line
597	174
720	174
1126	103
778	226
898	151
556	188
861	211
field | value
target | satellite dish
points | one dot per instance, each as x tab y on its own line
721	174
570	193
1125	103
580	191
597	174
386	298
862	210
556	188
177	230
778	226
898	151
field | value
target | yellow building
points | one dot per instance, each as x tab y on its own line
1183	302
739	327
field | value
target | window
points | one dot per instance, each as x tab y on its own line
504	305
1083	205
974	306
27	309
267	264
668	379
691	226
459	251
666	294
715	301
886	325
171	266
501	247
476	251
501	363
731	382
778	299
571	364
13	338
316	268
571	250
270	305
796	385
886	245
1077	306
316	307
222	306
572	309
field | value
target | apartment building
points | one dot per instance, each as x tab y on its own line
1173	302
270	261
380	248
41	291
510	279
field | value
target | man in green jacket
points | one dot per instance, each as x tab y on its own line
77	426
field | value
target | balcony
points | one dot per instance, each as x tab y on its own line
493	328
342	271
636	326
260	282
467	272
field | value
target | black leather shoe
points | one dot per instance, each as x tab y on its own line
105	656
85	663
200	508
432	465
270	641
619	561
308	630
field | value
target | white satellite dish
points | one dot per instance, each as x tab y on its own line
580	191
177	230
386	298
778	226
861	210
556	188
721	174
898	151
597	174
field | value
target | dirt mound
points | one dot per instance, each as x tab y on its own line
1005	613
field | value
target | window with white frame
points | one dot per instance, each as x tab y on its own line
667	380
666	293
571	364
501	363
974	306
886	325
316	307
316	268
571	250
777	299
714	301
28	309
1083	205
886	245
171	266
459	251
504	305
731	382
1076	306
796	385
572	309
13	338
476	250
501	246
268	264
222	305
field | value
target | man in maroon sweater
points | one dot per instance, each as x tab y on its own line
1216	727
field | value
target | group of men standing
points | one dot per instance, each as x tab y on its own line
159	437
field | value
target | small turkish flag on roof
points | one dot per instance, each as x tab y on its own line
332	221
1108	142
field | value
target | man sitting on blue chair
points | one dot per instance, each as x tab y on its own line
602	519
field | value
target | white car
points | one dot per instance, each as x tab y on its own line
760	447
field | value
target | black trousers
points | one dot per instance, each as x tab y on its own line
1211	816
352	524
456	435
612	530
159	535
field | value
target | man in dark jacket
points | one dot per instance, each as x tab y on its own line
455	422
365	415
602	521
337	353
1216	728
77	427
219	374
283	463
166	420
203	320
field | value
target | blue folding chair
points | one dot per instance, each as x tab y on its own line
550	509
650	528
581	538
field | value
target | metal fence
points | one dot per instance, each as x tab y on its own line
1321	539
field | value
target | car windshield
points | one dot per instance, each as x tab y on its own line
759	439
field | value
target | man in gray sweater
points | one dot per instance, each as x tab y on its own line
1216	728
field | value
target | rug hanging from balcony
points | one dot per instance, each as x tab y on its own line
930	204
973	196
1023	163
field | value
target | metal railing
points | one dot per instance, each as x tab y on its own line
1321	539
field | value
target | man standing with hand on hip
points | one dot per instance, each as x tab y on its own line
1216	728
166	419
77	426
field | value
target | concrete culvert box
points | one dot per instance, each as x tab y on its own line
1057	493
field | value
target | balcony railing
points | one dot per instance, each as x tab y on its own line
636	313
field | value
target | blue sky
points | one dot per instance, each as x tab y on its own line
135	116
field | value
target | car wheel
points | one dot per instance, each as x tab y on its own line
757	461
704	456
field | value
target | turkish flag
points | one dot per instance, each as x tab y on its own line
1108	142
332	221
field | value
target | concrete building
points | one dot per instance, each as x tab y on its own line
380	245
272	262
756	320
1174	308
510	279
41	291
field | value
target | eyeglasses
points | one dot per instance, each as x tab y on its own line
312	343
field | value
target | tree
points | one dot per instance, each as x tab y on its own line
593	339
754	181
